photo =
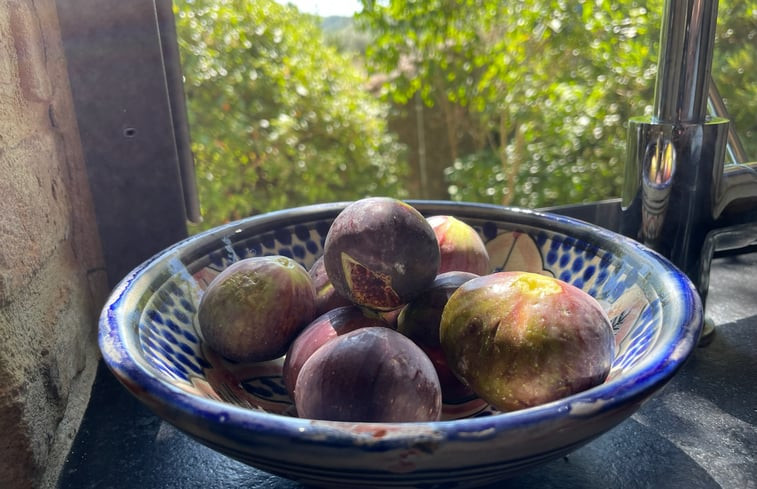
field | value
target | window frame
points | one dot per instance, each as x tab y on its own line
127	87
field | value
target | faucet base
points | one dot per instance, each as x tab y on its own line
708	332
669	198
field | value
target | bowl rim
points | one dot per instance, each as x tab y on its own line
685	304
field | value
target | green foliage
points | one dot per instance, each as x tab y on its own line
278	118
533	97
342	33
544	87
734	67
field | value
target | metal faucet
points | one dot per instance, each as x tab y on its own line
679	196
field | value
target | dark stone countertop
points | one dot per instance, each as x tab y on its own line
700	431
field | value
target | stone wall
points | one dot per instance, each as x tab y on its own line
52	279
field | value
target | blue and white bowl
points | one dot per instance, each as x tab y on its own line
150	340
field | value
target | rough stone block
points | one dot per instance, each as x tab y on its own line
35	209
30	52
49	344
52	279
26	84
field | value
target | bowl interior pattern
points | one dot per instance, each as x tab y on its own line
171	342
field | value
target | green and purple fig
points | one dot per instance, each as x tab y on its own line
255	308
320	331
326	296
380	253
520	339
419	321
461	247
371	374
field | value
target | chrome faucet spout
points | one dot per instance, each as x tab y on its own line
678	194
683	66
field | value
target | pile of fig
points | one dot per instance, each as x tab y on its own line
401	315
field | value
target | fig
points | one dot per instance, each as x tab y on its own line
254	308
390	316
520	339
326	296
380	253
372	374
320	331
460	246
419	321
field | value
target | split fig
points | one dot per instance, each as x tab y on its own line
380	253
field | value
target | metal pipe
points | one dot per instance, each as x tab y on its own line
683	69
735	150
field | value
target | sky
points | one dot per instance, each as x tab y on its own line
325	8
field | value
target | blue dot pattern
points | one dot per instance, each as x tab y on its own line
167	330
169	334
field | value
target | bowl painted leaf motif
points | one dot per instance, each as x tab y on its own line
150	340
515	251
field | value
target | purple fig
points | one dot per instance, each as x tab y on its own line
371	374
419	321
320	331
326	296
461	247
380	253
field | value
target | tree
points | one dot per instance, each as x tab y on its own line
277	117
734	67
543	87
533	98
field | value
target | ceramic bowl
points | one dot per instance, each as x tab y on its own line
150	340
